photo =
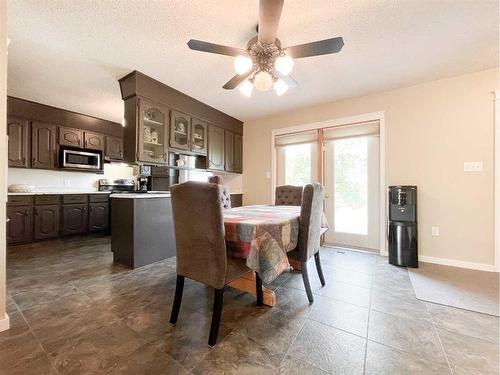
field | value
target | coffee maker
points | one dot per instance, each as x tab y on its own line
142	184
143	178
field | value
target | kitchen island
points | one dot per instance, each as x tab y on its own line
142	230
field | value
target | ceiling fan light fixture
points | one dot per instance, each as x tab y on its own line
284	64
263	80
242	64
280	87
246	88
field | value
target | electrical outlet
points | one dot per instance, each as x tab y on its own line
435	231
67	183
473	166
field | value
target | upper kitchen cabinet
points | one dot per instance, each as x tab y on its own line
199	136
114	148
215	148
238	153
43	146
152	132
93	141
70	137
233	152
229	151
180	131
18	131
190	128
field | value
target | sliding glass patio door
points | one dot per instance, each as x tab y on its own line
351	179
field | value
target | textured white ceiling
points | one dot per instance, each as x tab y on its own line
70	53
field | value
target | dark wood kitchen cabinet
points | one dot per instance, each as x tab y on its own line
215	148
180	130
43	145
199	136
46	222
114	148
229	151
238	153
20	224
18	131
74	218
70	137
152	132
98	216
93	141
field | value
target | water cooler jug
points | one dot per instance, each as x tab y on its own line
402	226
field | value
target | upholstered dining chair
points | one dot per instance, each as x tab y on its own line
201	247
288	195
308	245
225	196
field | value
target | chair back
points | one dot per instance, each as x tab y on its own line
288	195
311	212
199	232
225	198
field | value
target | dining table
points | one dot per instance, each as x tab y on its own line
262	235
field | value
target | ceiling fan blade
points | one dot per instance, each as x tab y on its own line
321	47
269	19
289	80
199	45
237	80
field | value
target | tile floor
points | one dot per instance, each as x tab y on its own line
73	312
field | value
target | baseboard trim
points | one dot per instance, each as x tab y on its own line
458	263
5	323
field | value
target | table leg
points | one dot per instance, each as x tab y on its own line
247	284
295	264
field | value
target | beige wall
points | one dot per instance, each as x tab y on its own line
3	153
431	129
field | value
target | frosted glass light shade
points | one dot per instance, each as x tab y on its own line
263	81
284	64
280	87
242	64
246	88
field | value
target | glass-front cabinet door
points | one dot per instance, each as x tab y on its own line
180	132
199	136
153	130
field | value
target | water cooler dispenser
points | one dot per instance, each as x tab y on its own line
402	226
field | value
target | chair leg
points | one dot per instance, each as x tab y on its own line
216	316
258	287
319	269
305	278
179	287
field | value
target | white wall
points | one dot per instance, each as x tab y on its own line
431	130
4	319
50	180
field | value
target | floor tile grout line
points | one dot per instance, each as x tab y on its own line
298	332
33	333
434	327
340	329
368	323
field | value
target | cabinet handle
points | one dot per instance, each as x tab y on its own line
36	211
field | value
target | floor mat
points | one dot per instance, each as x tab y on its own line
458	287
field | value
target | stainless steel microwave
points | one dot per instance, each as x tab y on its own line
81	159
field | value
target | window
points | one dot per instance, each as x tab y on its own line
351	185
298	164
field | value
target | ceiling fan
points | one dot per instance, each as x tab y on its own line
264	63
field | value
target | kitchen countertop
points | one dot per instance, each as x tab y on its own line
142	195
61	192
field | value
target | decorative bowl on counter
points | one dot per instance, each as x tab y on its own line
20	188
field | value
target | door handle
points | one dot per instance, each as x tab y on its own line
327	195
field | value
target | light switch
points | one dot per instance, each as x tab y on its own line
435	231
268	175
473	166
